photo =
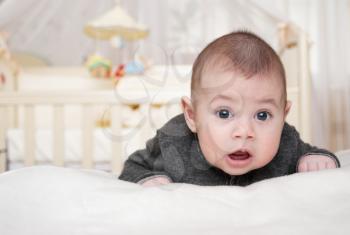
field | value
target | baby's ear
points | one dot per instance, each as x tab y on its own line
187	108
287	108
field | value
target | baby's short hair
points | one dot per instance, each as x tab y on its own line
243	52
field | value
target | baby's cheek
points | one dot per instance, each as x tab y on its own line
267	150
210	149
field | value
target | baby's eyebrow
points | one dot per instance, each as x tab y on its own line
271	101
224	97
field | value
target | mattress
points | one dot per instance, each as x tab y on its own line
56	201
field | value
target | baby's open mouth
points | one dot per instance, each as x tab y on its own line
239	159
239	155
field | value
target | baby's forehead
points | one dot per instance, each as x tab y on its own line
222	77
224	82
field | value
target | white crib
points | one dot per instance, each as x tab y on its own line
28	114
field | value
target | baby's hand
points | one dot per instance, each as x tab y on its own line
160	180
316	163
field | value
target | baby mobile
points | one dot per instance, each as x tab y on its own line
120	29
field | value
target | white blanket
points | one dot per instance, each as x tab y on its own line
52	200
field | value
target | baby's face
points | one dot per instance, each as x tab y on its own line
238	120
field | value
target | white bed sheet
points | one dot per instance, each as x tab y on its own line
51	200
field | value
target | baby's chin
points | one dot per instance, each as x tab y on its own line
241	171
240	165
236	170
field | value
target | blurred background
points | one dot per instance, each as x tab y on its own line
62	33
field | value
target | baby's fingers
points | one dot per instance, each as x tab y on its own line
315	163
156	181
313	166
330	164
302	167
310	166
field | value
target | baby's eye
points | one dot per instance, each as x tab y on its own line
224	113
263	116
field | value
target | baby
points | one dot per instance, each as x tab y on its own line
232	130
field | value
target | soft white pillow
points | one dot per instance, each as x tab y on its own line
52	200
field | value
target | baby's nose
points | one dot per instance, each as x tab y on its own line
244	130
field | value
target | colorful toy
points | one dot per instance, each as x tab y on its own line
132	67
137	66
9	68
119	72
99	67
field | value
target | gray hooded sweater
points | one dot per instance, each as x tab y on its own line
174	152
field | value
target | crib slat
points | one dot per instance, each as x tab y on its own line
29	135
58	135
12	115
87	136
116	143
3	124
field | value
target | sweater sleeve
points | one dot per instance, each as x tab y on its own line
305	149
145	163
